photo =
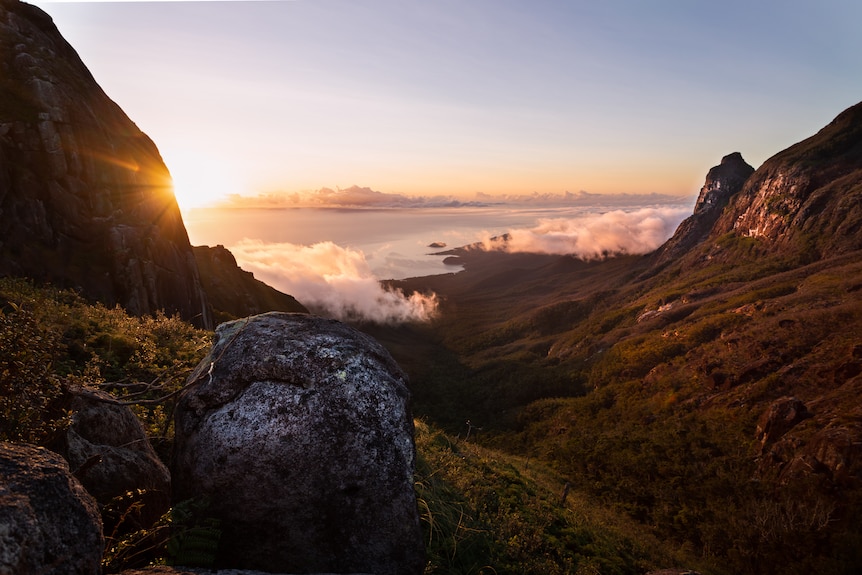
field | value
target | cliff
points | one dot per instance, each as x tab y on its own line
807	198
85	198
722	183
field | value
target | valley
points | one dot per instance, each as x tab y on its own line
712	397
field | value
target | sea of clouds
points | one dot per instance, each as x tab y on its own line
332	280
338	281
595	236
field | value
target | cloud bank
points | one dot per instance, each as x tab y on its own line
594	236
364	197
331	280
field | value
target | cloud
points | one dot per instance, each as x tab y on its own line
331	280
365	197
595	236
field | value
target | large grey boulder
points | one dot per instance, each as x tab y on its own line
297	430
48	523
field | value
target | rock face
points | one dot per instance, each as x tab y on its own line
779	418
48	523
108	450
297	429
234	292
85	199
722	183
807	198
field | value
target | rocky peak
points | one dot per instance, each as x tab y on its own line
722	183
85	198
807	198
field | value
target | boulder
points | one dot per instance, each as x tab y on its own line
833	455
48	523
297	431
108	450
779	418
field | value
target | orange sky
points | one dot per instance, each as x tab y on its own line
446	97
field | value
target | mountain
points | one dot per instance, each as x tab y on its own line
723	182
808	198
86	201
85	198
710	390
234	292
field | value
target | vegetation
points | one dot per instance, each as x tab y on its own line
486	512
482	511
53	338
646	396
595	428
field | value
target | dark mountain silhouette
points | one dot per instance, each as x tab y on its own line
86	201
234	292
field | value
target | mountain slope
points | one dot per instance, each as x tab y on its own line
807	198
85	199
723	182
714	396
234	292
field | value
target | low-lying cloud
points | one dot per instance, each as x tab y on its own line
595	236
364	197
331	280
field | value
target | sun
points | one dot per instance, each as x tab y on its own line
200	180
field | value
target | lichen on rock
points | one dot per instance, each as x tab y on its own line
298	431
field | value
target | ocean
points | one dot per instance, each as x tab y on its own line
333	258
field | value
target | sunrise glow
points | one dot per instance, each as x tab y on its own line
200	180
426	98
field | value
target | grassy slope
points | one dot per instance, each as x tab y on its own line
487	512
483	511
645	392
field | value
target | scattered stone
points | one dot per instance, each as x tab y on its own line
48	523
297	431
109	452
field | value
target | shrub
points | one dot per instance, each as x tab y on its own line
29	390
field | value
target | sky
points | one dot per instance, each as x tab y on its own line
466	97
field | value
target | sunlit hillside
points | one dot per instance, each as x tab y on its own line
652	394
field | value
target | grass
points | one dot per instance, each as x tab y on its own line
651	423
654	419
486	512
